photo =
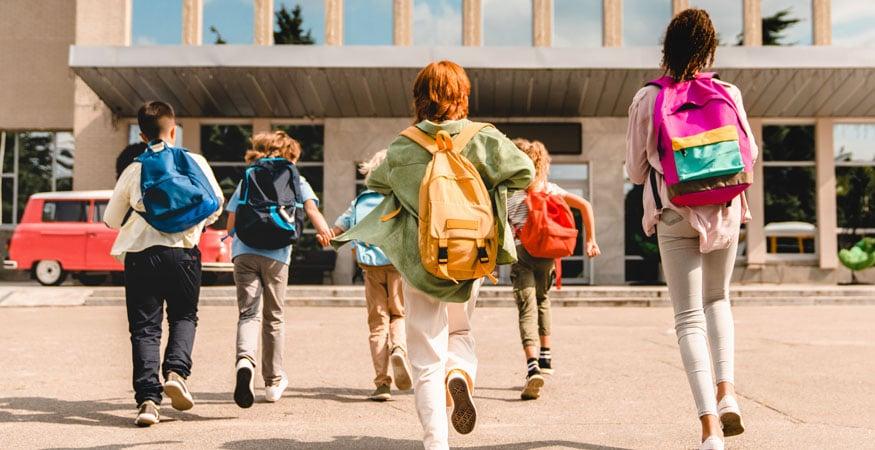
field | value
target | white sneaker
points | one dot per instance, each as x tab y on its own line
244	391
712	443
730	416
275	392
464	415
401	369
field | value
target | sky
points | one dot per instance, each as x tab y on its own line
577	23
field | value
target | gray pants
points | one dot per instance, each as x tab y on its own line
698	284
261	292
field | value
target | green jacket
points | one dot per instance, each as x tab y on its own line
503	168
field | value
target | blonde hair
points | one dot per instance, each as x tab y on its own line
273	145
260	147
537	152
367	167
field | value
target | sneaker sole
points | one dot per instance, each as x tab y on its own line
732	424
380	398
546	371
243	395
532	389
146	420
402	374
464	415
178	398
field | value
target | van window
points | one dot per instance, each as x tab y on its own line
65	211
99	210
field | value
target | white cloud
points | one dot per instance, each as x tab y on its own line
437	22
145	40
507	22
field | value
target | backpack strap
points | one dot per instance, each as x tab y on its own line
460	141
420	137
464	137
655	189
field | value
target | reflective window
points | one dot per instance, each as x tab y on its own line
852	23
34	161
156	22
577	23
437	22
134	135
99	210
854	147
65	211
367	22
786	22
507	23
228	21
728	18
644	21
299	22
223	146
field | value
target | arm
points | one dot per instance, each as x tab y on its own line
742	115
637	134
591	247
344	222
231	220
378	179
504	164
323	233
120	202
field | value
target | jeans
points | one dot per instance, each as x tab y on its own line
152	277
532	278
698	284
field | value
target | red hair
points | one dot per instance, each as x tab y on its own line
441	92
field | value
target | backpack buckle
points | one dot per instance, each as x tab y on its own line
443	255
483	255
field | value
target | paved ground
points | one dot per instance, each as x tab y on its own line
805	374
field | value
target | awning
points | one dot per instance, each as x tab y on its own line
357	81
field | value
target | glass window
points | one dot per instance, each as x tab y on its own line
65	211
644	21
156	22
223	146
228	22
299	22
852	23
507	23
728	18
367	22
790	193
99	210
854	149
437	22
134	135
577	23
786	22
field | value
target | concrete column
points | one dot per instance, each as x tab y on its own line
333	22
822	21
756	234
604	147
678	6
260	125
542	23
472	23
612	23
191	133
263	26
402	22
827	240
192	22
753	23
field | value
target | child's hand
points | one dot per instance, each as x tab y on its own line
324	235
592	249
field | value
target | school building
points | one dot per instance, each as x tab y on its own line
74	72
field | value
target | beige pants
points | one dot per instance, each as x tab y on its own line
385	302
261	292
439	340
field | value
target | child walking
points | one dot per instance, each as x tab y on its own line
383	295
696	219
533	276
261	277
440	342
162	261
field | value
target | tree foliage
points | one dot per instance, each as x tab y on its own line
774	27
289	27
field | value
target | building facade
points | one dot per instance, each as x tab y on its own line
562	71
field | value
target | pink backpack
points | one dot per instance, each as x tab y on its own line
703	147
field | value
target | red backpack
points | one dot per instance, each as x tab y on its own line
549	231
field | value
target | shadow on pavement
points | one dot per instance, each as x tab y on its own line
335	394
117	446
81	412
387	443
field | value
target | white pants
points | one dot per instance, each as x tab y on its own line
698	284
439	340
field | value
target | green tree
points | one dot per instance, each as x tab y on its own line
774	27
219	39
289	27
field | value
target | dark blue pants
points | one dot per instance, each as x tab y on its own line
152	277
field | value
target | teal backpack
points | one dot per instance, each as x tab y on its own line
366	254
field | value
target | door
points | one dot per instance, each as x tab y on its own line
100	240
62	233
574	178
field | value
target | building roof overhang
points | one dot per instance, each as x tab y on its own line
357	81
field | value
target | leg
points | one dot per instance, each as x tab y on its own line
460	346
249	304
524	293
397	336
182	283
145	314
274	278
717	268
377	299
544	281
427	349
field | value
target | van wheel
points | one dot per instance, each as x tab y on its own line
88	279
49	272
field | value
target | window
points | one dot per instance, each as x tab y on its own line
228	22
134	135
367	22
99	210
728	18
574	178
310	29
507	23
223	146
65	211
437	22
789	185
559	138
852	23
644	21
854	147
34	161
577	23
156	22
787	22
311	165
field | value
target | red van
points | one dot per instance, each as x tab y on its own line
63	232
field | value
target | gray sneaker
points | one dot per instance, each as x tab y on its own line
148	414
381	394
176	389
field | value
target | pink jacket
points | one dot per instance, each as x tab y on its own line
717	225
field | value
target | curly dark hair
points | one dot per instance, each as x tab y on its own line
689	45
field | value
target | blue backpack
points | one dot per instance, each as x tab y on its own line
176	193
271	211
366	254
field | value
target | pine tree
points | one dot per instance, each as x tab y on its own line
219	39
774	27
289	27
